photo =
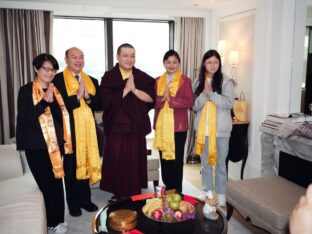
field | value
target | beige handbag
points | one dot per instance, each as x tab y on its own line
240	108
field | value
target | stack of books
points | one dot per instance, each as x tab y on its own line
274	121
290	118
271	124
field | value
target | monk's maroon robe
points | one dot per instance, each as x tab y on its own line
126	124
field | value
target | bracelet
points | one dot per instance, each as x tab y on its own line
88	100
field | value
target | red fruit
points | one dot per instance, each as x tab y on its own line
157	214
178	215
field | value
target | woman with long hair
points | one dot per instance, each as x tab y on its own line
214	99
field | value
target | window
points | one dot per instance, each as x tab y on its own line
86	34
99	39
150	40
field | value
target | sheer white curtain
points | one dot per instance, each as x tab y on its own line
189	40
23	35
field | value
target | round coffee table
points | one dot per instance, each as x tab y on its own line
148	226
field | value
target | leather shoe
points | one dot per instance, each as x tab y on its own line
91	207
75	213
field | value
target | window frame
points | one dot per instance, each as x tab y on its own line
108	33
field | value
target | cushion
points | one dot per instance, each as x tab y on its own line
152	162
10	162
22	207
267	201
153	175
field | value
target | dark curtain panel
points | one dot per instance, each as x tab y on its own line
23	35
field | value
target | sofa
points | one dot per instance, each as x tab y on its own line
22	208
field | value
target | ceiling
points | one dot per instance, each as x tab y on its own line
193	5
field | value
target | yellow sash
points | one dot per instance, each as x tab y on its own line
212	130
48	129
164	130
87	152
125	74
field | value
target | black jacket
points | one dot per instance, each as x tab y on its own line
28	131
71	102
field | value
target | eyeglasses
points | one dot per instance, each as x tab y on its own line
47	69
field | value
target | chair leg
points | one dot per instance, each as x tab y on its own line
229	211
243	167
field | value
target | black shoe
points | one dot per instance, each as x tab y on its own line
75	213
91	207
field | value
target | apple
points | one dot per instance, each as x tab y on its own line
178	215
157	214
176	198
174	205
183	206
168	198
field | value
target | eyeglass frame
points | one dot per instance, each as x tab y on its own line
47	69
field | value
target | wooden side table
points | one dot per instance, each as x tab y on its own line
238	145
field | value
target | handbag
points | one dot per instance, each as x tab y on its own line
240	108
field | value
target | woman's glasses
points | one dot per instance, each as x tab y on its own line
47	69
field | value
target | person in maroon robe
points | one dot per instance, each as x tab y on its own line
127	95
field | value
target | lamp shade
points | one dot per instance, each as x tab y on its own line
221	47
234	57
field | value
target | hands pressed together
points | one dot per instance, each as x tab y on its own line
82	91
48	95
130	86
166	94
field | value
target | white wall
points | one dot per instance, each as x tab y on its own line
273	64
102	11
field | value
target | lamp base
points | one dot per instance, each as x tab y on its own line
193	159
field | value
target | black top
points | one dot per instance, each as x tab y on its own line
71	102
28	131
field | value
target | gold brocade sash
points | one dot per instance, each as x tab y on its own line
48	129
87	151
212	136
164	130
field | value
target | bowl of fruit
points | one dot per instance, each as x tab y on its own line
169	208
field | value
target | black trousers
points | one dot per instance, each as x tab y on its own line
77	191
172	170
51	188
